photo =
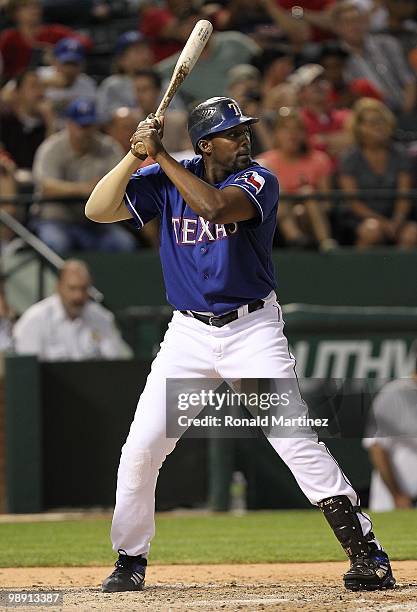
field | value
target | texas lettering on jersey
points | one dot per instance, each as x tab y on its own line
193	231
209	266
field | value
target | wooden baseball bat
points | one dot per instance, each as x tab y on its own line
186	61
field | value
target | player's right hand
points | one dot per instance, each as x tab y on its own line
146	141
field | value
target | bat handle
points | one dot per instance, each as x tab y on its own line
163	105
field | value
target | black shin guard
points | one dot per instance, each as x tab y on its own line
342	518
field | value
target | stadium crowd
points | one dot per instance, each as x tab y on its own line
333	81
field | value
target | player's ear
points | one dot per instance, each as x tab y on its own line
205	146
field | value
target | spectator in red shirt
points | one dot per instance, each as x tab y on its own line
301	170
167	28
326	127
24	45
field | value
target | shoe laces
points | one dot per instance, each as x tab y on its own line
127	564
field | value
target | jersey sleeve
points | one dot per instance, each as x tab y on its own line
262	189
144	194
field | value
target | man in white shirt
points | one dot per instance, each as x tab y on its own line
68	325
393	447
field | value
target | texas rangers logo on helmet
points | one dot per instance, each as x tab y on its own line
253	179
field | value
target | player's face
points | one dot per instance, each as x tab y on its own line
73	291
231	149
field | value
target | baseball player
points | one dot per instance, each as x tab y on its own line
217	214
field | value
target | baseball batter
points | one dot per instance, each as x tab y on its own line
218	213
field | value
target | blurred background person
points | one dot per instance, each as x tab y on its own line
376	57
26	120
122	124
300	170
222	51
275	63
68	325
244	86
400	22
132	54
65	80
69	164
375	162
24	45
333	57
327	127
168	26
392	445
9	242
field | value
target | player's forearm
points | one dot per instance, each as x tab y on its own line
105	203
205	200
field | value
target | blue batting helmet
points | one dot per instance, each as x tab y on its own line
213	116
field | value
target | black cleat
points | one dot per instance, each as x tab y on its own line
370	573
129	575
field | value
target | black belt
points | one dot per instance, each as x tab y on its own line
223	319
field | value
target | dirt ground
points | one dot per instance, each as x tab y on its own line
310	587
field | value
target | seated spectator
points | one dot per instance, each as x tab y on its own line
69	164
6	338
148	94
122	125
326	127
262	20
313	16
375	162
301	170
26	121
297	22
222	51
132	54
65	80
376	57
343	94
68	326
275	63
147	90
168	27
9	242
401	24
392	446
281	95
244	86
23	46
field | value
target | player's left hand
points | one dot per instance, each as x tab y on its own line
147	138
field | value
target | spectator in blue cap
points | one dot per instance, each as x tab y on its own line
65	80
132	54
69	164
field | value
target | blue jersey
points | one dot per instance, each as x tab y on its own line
209	267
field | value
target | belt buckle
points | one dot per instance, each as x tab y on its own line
210	321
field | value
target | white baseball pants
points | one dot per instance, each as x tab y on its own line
253	346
